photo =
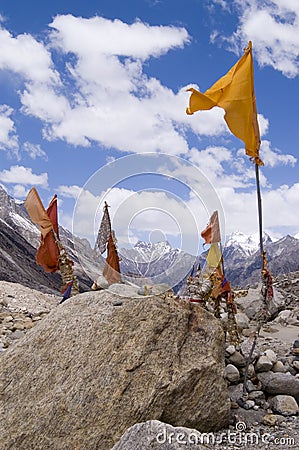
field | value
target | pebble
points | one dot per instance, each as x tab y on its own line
270	420
230	350
232	373
279	367
263	364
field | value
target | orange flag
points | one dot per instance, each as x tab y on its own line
112	270
48	253
37	212
234	92
211	233
52	212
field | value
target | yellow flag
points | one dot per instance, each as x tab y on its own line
37	212
234	92
214	255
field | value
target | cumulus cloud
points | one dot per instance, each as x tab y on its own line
69	191
19	191
114	37
273	26
274	158
106	97
134	215
25	56
23	176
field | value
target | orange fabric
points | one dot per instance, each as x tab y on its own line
211	233
37	212
52	212
48	254
112	270
234	92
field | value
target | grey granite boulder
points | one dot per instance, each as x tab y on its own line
99	363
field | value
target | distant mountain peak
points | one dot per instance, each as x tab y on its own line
152	244
249	244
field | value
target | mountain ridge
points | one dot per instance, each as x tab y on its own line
145	262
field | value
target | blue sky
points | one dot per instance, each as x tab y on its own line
87	88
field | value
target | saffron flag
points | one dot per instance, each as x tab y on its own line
104	231
37	212
214	255
112	270
47	254
234	92
52	212
212	232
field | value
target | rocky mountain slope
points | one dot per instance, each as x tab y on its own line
241	258
243	264
155	263
19	240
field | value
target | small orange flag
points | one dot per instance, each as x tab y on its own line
211	233
234	92
112	270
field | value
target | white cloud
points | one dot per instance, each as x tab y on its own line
23	175
274	158
114	37
8	136
106	97
19	191
273	26
136	214
27	57
41	100
34	151
69	191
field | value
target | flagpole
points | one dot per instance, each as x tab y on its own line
259	204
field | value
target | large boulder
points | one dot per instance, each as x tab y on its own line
253	306
99	363
279	383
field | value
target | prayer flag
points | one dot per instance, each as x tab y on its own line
37	212
212	232
234	92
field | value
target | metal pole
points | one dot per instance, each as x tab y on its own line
259	205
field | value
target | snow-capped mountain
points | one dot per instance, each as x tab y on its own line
158	262
243	264
247	245
19	240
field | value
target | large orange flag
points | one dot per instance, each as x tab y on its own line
37	212
47	254
234	92
211	233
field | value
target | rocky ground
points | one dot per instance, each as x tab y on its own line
267	417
